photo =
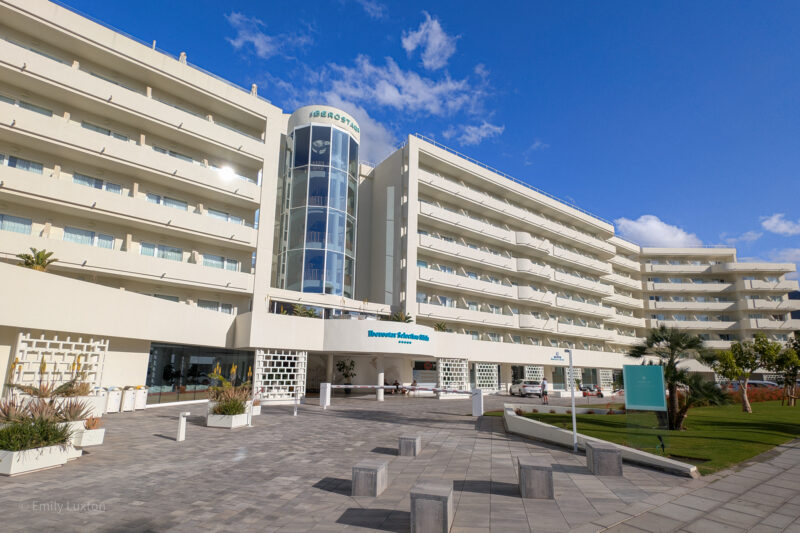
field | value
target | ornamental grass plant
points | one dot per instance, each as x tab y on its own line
33	433
229	407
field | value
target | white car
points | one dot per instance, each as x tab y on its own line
526	388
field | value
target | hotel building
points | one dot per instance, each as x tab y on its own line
194	224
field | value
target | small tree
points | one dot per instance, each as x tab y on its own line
347	368
787	363
698	393
37	259
440	326
744	358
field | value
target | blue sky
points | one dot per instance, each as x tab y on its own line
679	121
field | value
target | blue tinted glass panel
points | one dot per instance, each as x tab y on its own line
336	230
297	228
350	236
299	187
339	149
321	145
334	273
338	190
294	270
88	181
315	227
352	197
318	186
15	224
353	158
312	270
349	269
301	138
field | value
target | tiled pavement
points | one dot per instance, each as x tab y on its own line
292	474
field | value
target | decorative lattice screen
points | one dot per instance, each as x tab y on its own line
62	359
453	374
606	376
577	373
534	373
486	376
280	375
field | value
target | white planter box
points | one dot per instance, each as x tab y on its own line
128	400
226	421
256	410
14	463
89	437
141	399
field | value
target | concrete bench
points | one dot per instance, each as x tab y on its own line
535	478
603	459
432	507
370	478
410	445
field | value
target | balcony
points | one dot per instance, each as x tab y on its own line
571	258
587	285
584	331
583	308
69	139
622	281
118	99
770	305
540	272
717	344
465	254
463	283
624	340
457	314
79	258
700	325
624	301
539	247
623	320
770	286
529	295
677	269
451	220
527	321
624	262
692	306
688	287
777	268
61	195
766	323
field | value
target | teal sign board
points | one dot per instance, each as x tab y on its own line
644	388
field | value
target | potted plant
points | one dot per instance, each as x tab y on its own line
73	413
92	433
347	368
33	444
228	405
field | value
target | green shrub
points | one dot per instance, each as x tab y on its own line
231	406
33	433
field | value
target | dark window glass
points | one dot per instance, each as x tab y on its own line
352	197
294	270
338	190
315	229
301	146
350	236
312	271
299	186
339	150
353	158
336	230
318	186
297	221
334	273
349	266
321	145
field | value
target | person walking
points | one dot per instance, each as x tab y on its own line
545	400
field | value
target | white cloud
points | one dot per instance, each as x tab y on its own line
436	45
787	255
649	230
249	31
777	224
471	134
373	9
403	90
747	236
537	146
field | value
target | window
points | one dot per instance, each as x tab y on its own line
473	306
422	298
475	335
215	306
217	261
161	251
494	337
422	264
96	183
221	215
446	269
105	131
516	339
35	108
472	275
167	297
82	236
15	224
167	201
175	154
22	164
496	309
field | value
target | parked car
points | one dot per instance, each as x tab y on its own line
526	388
752	384
592	390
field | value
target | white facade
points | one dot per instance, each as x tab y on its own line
161	191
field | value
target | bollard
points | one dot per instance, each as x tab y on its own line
477	402
250	414
182	427
324	395
296	400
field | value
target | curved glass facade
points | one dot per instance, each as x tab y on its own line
318	226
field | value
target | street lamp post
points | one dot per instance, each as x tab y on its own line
571	378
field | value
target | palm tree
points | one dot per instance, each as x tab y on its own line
669	346
400	316
440	326
699	393
37	260
302	310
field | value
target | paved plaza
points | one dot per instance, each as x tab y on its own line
292	474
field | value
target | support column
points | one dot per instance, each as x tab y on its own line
329	369
379	367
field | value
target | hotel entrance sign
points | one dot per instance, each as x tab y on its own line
402	338
644	387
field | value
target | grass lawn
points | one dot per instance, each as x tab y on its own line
715	437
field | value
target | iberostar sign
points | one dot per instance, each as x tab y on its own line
335	116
